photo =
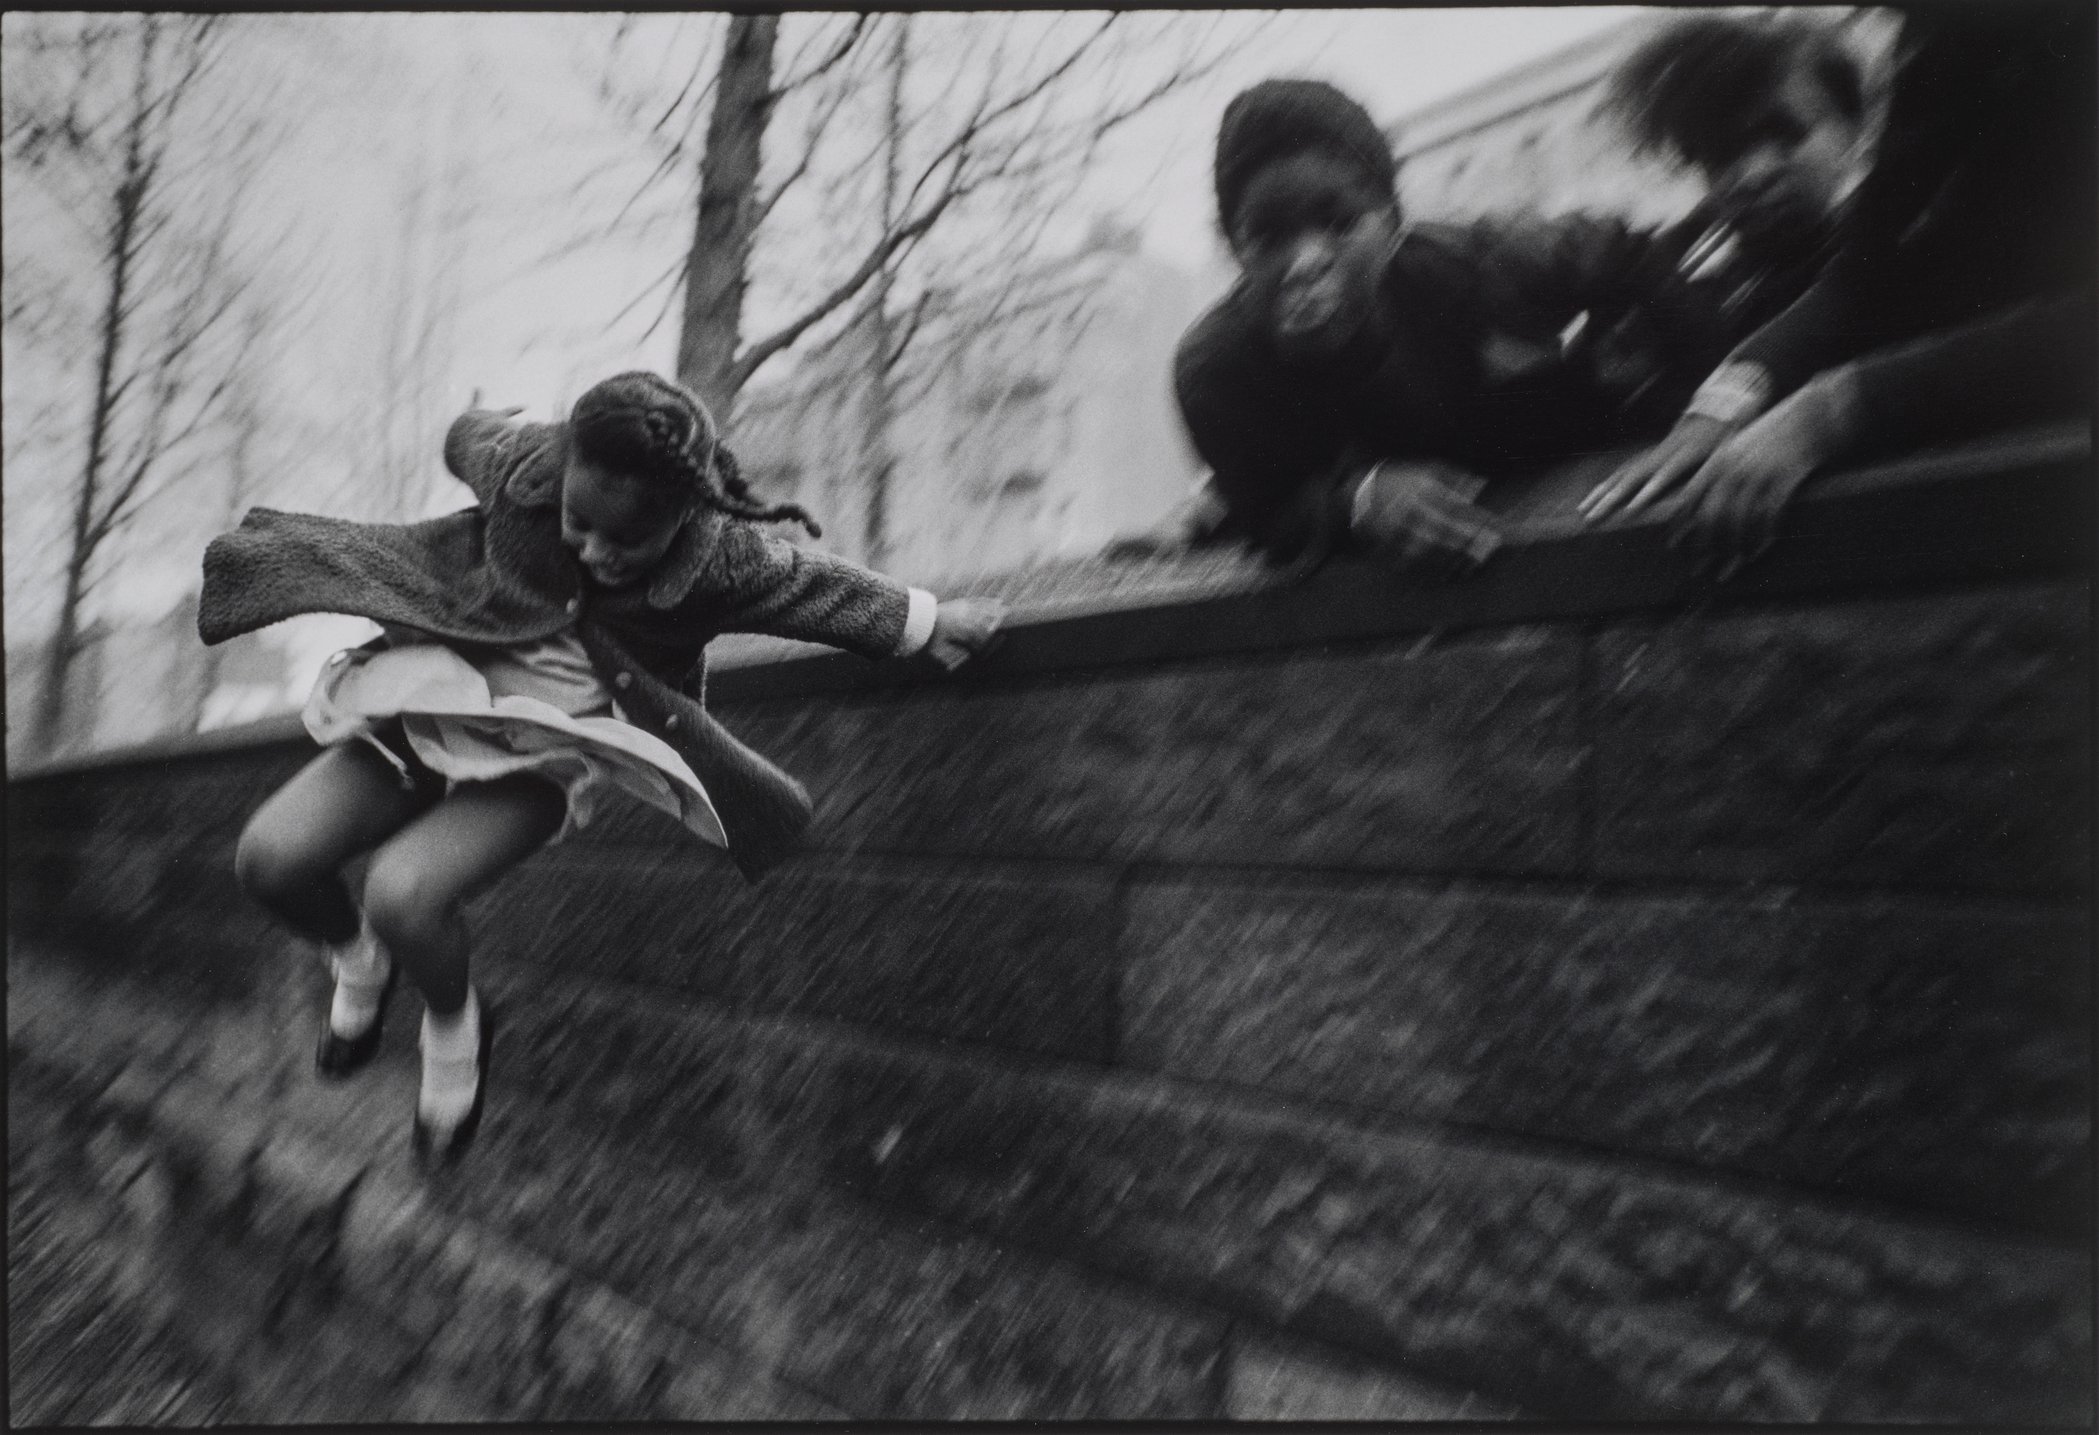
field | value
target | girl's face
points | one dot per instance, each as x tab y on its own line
1312	235
618	526
1798	157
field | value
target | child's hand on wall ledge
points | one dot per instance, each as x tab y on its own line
963	628
1421	514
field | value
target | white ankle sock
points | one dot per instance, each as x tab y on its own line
451	1064
361	967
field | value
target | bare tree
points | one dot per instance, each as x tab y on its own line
882	336
420	297
118	123
243	425
726	220
1016	110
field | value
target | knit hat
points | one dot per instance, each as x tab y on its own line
1278	118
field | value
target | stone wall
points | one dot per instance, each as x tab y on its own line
1583	991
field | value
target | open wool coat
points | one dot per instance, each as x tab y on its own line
498	573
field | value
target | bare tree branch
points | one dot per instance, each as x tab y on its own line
164	151
812	140
678	101
676	268
1021	112
830	62
747	363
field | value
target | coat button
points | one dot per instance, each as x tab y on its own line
624	681
671	722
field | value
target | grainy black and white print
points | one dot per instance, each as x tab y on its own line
1374	715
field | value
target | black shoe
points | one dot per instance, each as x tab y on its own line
339	1056
433	1150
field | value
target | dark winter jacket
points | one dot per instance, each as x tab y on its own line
1518	341
1965	275
499	573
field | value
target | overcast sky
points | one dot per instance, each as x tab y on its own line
1157	177
509	101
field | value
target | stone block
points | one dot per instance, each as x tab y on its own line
1933	743
1277	1382
641	1065
1935	1053
1016	958
214	1156
1576	1289
1012	957
157	907
618	1357
116	1159
601	1341
150	1198
133	1091
210	795
706	1384
880	1318
379	1248
1457	756
404	1298
633	914
310	1177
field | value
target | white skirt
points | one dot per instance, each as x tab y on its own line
459	729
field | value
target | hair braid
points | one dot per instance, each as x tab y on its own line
735	495
692	450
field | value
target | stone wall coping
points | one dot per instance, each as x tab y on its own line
2011	506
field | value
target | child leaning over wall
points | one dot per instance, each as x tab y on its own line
1366	377
1959	300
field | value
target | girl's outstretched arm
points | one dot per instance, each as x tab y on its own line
770	586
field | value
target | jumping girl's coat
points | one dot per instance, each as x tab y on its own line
499	574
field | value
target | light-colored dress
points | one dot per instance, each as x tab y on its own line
535	707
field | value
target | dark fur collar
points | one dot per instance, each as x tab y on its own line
689	552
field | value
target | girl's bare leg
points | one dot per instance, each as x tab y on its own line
423	875
290	859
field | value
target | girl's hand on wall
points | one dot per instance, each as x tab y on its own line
1731	506
1421	516
964	628
1647	479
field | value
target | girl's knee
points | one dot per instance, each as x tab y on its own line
270	869
405	903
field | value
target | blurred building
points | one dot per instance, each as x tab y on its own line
1036	437
1531	138
248	677
138	680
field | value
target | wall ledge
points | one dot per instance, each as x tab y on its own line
2012	506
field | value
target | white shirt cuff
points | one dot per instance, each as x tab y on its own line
1735	393
918	623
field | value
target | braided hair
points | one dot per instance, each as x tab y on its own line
644	424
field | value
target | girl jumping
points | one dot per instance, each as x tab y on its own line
540	649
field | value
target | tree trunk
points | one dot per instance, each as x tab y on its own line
715	271
878	444
247	423
129	199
